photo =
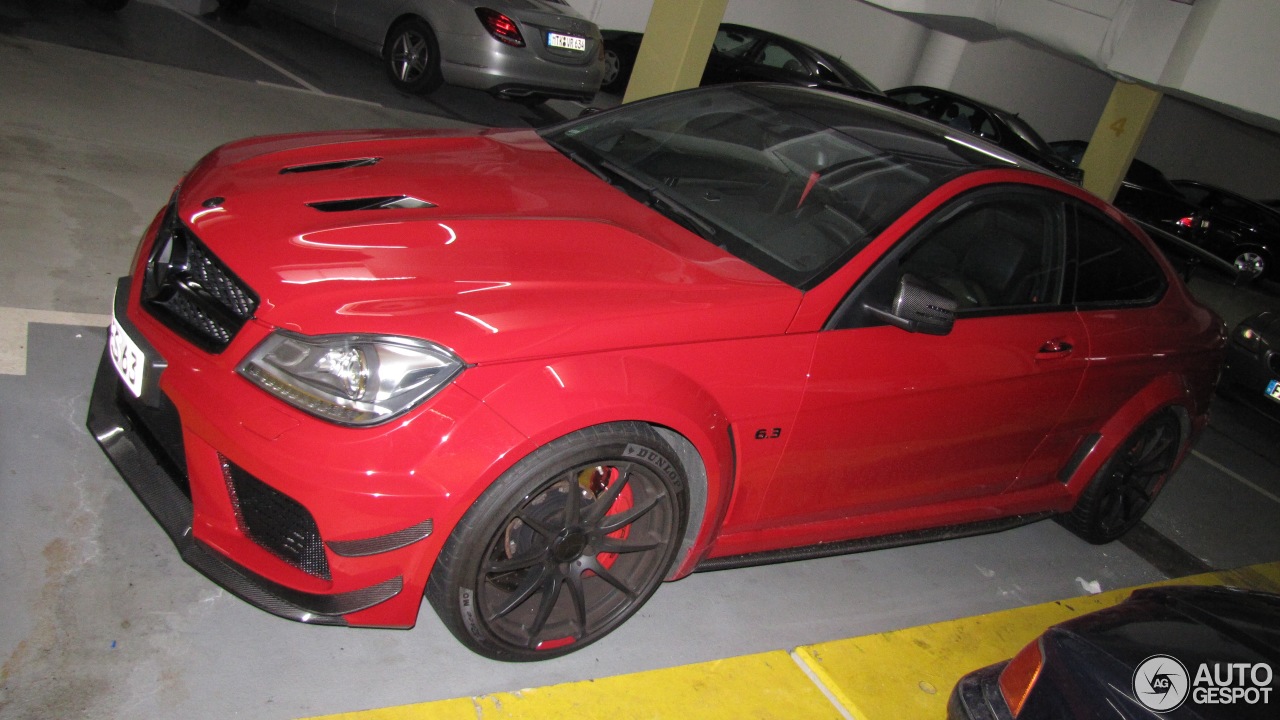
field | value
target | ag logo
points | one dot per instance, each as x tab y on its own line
1161	683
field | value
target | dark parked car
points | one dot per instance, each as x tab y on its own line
534	374
1242	230
1001	127
1252	368
1180	652
1149	197
743	53
517	49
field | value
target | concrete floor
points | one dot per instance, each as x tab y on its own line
99	618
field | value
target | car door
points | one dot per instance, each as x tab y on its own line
892	419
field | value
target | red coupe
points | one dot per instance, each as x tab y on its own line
533	374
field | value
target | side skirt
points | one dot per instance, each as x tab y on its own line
881	542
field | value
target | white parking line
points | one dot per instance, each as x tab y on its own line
13	332
249	52
1237	476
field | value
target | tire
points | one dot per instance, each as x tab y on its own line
617	71
1253	263
232	7
563	547
411	56
1126	486
107	5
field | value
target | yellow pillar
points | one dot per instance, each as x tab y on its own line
677	41
1116	139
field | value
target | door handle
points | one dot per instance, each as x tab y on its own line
1054	349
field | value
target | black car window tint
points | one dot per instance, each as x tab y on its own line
1112	267
995	254
996	251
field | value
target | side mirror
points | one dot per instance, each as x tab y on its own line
918	308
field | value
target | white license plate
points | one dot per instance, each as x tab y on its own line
1273	390
568	42
129	360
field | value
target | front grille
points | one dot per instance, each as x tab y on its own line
188	289
276	521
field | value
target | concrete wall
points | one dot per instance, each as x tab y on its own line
1061	98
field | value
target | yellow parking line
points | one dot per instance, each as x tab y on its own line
901	674
765	686
909	673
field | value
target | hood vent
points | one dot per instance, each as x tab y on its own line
388	202
331	165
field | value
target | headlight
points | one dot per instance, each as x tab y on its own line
350	379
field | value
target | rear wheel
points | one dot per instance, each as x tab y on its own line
1252	263
565	546
1122	491
412	57
617	71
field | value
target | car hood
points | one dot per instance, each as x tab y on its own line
488	242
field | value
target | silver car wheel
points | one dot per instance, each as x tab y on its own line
409	56
1251	262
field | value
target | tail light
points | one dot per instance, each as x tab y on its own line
1020	675
1186	222
502	28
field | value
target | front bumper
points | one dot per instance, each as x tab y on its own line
126	443
191	444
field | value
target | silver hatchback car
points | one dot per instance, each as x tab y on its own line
512	48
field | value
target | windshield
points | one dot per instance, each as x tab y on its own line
791	180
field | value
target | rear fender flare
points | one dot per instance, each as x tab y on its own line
1164	392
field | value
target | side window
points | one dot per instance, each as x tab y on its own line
733	43
776	56
996	251
1000	253
1112	267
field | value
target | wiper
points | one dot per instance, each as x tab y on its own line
657	196
589	166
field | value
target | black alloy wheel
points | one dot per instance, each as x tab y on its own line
1126	486
565	546
411	56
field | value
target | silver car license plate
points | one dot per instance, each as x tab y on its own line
129	360
567	42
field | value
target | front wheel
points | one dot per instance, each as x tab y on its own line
412	57
565	546
1126	486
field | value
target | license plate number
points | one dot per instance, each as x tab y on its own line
1273	390
129	360
568	42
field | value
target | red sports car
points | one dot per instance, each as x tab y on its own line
532	374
